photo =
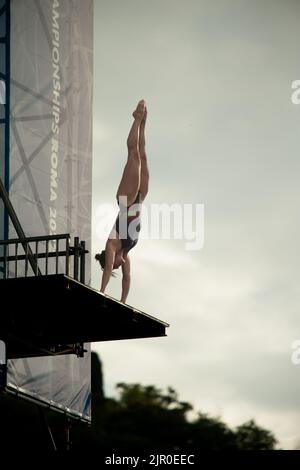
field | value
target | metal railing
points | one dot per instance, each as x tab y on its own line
49	254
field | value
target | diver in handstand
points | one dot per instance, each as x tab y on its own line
131	192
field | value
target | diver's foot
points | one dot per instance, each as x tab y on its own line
139	112
145	116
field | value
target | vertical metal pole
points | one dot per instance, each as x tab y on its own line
26	258
36	257
5	262
3	365
67	434
8	261
56	256
76	258
16	259
67	254
82	262
47	257
7	112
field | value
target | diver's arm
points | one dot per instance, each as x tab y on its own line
109	263
125	279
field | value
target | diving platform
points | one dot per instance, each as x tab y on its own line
56	314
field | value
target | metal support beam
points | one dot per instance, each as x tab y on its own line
47	428
18	227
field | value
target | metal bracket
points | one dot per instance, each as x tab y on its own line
79	349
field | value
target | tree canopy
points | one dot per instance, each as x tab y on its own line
146	418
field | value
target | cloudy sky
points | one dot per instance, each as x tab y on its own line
222	131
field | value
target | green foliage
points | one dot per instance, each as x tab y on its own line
138	395
146	418
208	433
249	436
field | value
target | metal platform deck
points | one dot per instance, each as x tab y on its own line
54	314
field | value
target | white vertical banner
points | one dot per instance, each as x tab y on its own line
51	160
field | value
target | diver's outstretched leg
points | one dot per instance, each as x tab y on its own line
131	177
144	183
